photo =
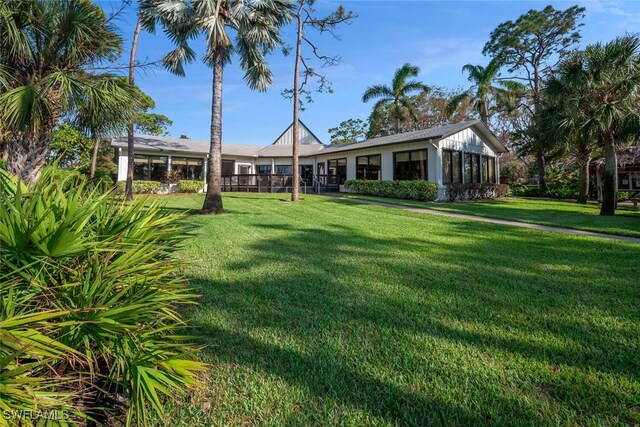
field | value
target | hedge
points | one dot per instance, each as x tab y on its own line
140	187
475	191
414	190
190	186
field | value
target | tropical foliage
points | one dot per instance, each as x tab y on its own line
88	302
397	96
46	51
348	131
594	98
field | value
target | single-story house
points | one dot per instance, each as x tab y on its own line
466	152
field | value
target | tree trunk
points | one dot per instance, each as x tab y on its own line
213	198
542	169
599	182
128	191
295	189
27	155
584	158
610	179
94	157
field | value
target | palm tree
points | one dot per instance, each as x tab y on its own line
481	91
603	85
398	95
43	73
100	118
553	120
256	28
169	13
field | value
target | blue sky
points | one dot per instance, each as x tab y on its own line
438	36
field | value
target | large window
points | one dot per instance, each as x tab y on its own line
488	169
471	167
410	165
451	166
306	174
284	169
368	167
149	168
263	169
188	168
337	171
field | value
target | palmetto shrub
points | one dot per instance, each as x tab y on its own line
88	302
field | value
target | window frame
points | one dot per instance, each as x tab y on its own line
367	167
426	164
449	153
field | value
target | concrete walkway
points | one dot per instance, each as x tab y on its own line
538	227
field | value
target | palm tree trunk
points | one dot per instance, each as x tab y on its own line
27	155
295	189
128	192
94	157
610	179
584	158
542	169
213	198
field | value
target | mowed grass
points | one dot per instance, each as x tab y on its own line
538	211
328	312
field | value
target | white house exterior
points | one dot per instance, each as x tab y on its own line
461	152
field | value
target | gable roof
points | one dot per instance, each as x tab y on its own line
438	132
279	140
191	146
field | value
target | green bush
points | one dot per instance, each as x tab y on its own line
88	302
190	186
414	190
3	164
139	187
475	191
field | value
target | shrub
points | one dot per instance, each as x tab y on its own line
139	187
88	302
414	190
3	164
474	191
190	186
171	177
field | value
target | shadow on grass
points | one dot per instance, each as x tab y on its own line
525	295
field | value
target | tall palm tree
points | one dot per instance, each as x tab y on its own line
256	31
170	14
602	102
46	47
398	95
481	91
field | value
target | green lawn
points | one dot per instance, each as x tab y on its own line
328	312
539	211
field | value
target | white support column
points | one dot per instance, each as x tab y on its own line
169	163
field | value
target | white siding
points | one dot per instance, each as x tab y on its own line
386	153
306	137
467	140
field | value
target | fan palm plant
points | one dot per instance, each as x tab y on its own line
250	29
398	95
99	292
46	47
481	91
603	94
